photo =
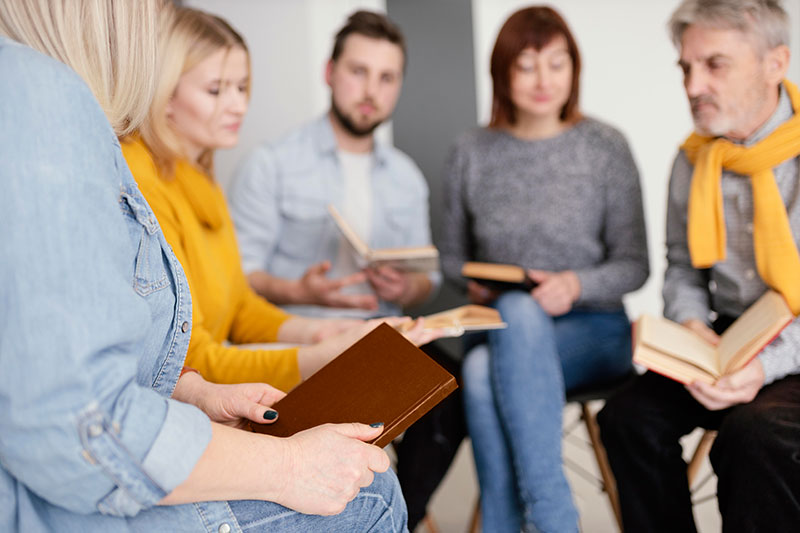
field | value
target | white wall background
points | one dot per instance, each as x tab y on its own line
630	79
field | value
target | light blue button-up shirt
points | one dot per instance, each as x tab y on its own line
279	200
94	316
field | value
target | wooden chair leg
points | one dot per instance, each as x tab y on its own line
609	484
430	524
475	522
700	453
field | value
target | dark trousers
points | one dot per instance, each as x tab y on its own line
756	456
428	447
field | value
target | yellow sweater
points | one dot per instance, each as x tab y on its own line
194	217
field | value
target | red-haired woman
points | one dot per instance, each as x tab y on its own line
558	193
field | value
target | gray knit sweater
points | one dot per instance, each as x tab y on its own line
571	202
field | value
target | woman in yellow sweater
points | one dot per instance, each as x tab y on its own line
201	97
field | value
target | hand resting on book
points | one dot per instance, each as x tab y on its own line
402	288
329	464
232	405
739	387
555	291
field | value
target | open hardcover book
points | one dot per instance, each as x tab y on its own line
380	378
497	276
409	259
459	320
670	349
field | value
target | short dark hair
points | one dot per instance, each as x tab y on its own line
369	24
532	27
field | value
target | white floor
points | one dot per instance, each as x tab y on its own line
453	503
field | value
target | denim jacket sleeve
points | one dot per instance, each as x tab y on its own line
91	307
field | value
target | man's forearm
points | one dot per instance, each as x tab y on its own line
279	291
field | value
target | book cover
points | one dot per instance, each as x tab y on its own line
381	378
408	258
498	276
674	351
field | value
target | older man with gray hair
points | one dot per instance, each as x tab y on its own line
733	224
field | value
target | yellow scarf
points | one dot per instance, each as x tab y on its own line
202	193
776	254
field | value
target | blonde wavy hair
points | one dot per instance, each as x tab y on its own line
111	44
192	36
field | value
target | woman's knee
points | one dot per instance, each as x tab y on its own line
475	374
385	499
520	306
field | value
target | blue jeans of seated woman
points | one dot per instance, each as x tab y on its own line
514	390
378	508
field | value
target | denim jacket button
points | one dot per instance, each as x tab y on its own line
185	327
224	528
95	430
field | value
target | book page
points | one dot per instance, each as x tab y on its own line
355	241
454	322
673	339
757	326
670	366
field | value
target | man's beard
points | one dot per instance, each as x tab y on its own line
348	124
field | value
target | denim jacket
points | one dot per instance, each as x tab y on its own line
95	318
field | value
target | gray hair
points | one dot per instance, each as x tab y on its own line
765	20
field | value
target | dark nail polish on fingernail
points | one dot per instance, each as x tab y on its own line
270	414
376	425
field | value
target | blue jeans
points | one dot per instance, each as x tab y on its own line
514	390
378	508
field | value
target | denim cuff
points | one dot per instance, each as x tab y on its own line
181	440
180	443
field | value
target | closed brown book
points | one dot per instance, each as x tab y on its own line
381	378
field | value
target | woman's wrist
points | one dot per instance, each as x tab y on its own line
190	387
574	284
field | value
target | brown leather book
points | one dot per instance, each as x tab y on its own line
381	378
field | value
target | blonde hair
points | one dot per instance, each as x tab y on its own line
111	44
192	36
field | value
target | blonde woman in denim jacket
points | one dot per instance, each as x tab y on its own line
97	427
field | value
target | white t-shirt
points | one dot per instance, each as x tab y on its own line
356	210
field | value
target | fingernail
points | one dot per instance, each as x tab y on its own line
270	414
376	425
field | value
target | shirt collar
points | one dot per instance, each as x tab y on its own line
782	113
326	141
